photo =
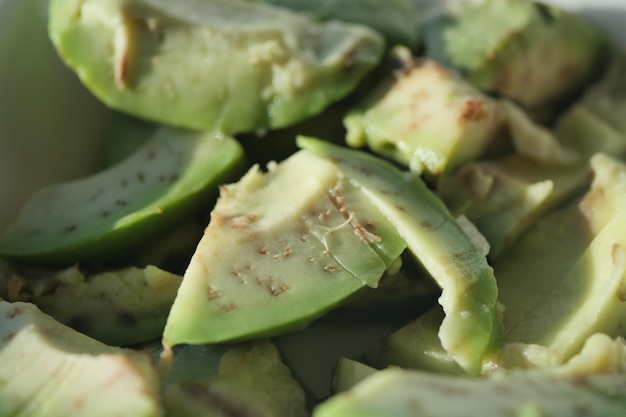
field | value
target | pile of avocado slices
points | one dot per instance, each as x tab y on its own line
271	168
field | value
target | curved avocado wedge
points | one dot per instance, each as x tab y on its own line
281	249
103	217
591	384
228	65
51	370
471	330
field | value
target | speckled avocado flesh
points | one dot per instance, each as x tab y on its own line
471	332
306	239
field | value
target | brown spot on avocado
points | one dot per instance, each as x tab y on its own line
473	110
212	294
227	308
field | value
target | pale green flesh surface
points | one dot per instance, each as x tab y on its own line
96	216
471	330
49	370
159	60
429	119
281	250
592	383
564	280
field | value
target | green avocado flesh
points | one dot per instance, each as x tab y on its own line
471	330
291	243
592	384
104	216
563	281
425	117
228	65
536	54
119	307
49	370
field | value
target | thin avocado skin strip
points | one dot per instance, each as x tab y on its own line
199	278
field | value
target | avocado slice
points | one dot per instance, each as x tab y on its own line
120	307
425	117
105	217
305	239
246	380
563	281
591	383
397	20
228	65
51	370
536	54
471	330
